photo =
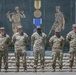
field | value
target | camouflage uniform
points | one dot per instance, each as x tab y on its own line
20	42
71	38
4	43
38	47
57	45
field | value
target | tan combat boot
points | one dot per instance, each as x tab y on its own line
35	69
5	70
60	70
70	69
25	70
17	70
53	70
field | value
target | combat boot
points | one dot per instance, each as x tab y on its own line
35	69
5	70
60	70
17	70
25	70
42	68
53	70
70	69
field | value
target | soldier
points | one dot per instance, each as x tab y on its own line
15	18
20	41
59	19
57	43
71	38
38	41
4	43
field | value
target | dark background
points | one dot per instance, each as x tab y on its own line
48	16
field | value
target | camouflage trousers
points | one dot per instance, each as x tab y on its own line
4	55
71	57
39	54
19	54
56	55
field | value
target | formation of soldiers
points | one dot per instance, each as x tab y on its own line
38	39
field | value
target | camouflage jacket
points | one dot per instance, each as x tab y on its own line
20	41
38	41
4	42
56	43
71	38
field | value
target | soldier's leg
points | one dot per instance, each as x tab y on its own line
54	57
5	58
0	60
35	59
71	58
24	60
60	60
14	27
17	56
42	58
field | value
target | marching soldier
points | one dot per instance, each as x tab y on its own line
38	41
57	43
71	38
20	41
4	43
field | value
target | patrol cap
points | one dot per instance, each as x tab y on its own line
38	27
74	25
19	27
2	28
16	8
57	30
57	7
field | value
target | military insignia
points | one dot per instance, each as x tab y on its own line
37	21
37	13
37	4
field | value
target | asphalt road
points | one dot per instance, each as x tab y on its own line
38	73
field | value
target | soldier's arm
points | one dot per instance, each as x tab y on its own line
51	41
22	15
32	39
68	37
8	40
13	39
56	18
63	20
26	39
11	18
45	39
62	42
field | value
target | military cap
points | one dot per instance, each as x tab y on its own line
38	27
16	8
74	25
2	28
57	7
19	27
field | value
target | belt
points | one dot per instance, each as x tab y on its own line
55	48
72	46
